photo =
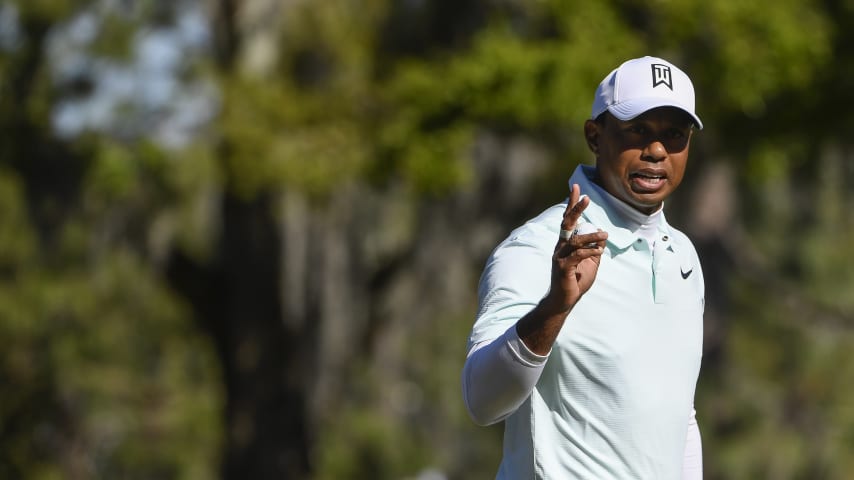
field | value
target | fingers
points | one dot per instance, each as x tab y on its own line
583	246
589	240
588	243
577	255
574	207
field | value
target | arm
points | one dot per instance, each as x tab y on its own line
498	376
500	373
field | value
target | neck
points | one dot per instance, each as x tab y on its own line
642	224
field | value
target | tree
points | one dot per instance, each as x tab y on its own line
266	267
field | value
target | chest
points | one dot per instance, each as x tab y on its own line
643	313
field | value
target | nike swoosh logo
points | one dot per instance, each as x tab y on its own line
685	275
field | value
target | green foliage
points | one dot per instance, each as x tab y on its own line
783	413
760	52
106	375
16	238
115	36
135	404
397	427
277	137
358	447
45	12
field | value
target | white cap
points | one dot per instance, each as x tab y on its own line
642	84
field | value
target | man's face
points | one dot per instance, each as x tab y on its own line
641	161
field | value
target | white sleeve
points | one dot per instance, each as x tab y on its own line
498	376
692	466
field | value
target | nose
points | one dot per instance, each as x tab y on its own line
654	151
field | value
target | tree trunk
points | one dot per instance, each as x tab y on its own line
262	359
237	300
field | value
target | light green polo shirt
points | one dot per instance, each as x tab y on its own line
614	398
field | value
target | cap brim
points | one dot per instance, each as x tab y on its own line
632	108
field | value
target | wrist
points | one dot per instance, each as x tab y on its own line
555	305
540	327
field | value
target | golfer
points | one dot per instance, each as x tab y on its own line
588	336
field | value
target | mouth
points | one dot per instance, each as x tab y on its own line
648	180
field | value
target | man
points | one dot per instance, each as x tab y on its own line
588	336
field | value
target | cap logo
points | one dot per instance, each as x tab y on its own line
661	76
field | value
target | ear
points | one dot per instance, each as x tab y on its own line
592	132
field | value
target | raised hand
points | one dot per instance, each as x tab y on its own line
576	257
574	266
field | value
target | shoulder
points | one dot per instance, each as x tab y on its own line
524	257
516	275
538	233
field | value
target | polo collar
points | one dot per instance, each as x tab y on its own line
619	234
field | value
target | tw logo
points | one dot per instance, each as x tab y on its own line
661	76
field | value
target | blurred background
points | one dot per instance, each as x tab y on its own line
241	239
